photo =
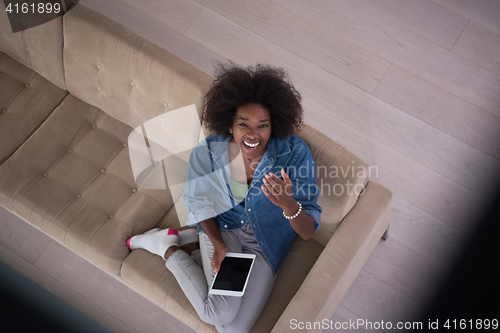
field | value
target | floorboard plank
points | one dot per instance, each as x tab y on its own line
441	109
344	320
306	40
480	45
425	234
422	17
405	270
176	14
20	238
485	12
403	48
423	187
374	301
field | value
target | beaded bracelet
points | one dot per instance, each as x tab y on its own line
294	215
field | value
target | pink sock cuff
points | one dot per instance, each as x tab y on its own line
172	231
128	244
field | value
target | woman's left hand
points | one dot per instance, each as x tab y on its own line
279	191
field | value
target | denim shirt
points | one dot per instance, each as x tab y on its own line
208	192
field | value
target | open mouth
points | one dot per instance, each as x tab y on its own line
250	145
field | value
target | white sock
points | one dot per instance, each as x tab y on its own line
155	241
188	236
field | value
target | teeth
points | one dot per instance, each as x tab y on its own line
251	145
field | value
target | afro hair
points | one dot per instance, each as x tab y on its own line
235	86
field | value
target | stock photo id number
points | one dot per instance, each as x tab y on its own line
30	13
33	8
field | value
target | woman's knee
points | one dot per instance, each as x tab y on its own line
221	312
236	326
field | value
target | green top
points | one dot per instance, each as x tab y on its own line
239	189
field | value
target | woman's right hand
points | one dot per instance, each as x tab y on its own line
220	250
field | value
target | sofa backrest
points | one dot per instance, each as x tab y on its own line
341	177
39	48
130	78
133	80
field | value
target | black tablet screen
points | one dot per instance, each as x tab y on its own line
232	274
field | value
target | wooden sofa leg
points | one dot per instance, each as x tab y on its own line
386	233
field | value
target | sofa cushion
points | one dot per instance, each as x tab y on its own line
341	177
26	100
38	48
130	78
73	180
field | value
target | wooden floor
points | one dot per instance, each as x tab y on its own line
410	86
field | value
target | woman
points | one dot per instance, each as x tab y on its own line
250	188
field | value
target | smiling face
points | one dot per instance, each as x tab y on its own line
251	130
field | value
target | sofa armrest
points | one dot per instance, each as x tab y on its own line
341	260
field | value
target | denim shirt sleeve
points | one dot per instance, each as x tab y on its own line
199	191
206	193
304	186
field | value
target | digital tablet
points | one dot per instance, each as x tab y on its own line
232	277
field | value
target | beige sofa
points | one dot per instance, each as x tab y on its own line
72	90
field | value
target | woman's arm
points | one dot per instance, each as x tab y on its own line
304	224
220	249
